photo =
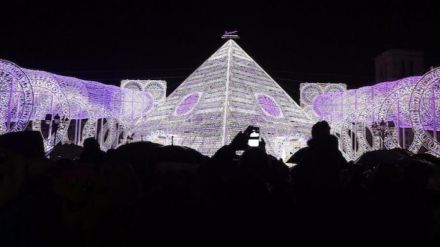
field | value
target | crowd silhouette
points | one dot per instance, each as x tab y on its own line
142	192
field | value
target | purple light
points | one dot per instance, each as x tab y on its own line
269	106
349	104
187	104
31	95
408	103
16	98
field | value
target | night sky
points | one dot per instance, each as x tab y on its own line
293	42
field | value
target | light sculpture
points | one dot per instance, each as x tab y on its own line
187	104
80	107
222	97
309	91
30	95
399	97
157	89
227	93
16	98
135	106
355	110
269	106
334	88
133	85
426	88
348	104
51	100
410	104
108	134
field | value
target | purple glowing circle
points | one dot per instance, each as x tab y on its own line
269	106
187	104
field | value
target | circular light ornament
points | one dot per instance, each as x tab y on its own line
49	99
16	98
157	90
309	93
322	105
421	90
188	104
269	106
399	97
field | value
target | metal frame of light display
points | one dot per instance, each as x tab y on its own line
222	97
93	109
384	115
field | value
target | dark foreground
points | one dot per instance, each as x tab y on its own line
142	193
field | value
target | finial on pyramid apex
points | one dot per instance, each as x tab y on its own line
230	35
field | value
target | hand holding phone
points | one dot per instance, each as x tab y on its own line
249	138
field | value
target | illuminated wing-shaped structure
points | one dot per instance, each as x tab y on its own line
227	93
67	109
393	114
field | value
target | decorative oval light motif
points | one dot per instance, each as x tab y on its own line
269	106
187	104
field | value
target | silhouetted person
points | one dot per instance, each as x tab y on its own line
26	204
254	164
92	152
28	144
316	184
316	175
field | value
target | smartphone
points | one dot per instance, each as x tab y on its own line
254	137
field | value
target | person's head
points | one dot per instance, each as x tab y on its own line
91	144
320	129
28	144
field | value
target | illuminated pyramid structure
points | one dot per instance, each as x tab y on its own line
227	93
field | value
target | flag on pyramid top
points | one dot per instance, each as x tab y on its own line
222	97
231	35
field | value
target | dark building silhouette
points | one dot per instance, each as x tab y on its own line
394	64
